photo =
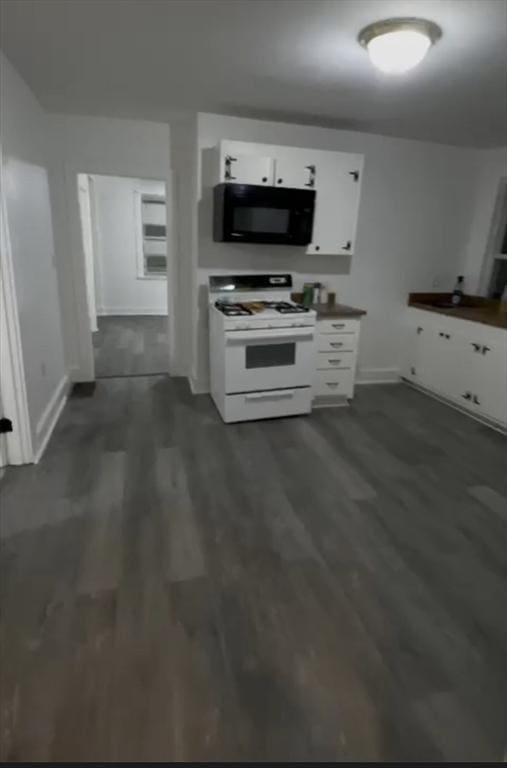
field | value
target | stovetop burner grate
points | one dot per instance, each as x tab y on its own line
237	309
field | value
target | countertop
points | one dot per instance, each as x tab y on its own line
327	311
474	308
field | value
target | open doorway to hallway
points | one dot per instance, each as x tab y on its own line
124	235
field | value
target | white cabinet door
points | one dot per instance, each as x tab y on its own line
337	184
247	169
486	369
434	360
422	351
295	173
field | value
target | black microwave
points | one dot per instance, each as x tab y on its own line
248	213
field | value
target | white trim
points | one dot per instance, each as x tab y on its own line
50	416
378	376
12	374
162	312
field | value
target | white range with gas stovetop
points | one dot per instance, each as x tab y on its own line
262	347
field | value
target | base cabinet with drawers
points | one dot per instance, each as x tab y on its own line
459	360
336	358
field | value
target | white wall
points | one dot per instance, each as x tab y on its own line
26	189
413	220
117	221
491	169
96	145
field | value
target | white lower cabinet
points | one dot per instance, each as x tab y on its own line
336	358
462	361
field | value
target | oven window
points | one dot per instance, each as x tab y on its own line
258	219
270	355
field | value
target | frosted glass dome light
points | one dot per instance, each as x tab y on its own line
397	45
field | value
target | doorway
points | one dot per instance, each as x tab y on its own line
124	229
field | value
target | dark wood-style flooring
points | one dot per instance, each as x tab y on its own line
130	345
331	587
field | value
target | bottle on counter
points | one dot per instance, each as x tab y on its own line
457	294
307	294
323	294
316	293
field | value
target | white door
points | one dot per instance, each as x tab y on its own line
487	364
259	360
337	184
295	173
247	169
445	362
85	215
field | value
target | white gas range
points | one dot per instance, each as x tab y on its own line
262	347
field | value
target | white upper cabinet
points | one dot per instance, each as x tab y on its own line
335	176
247	169
294	173
337	183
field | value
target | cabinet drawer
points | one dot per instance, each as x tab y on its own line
337	326
267	405
325	360
337	342
334	382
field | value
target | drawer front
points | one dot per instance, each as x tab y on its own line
329	383
337	342
268	405
336	359
338	326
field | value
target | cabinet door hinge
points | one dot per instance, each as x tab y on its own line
311	178
228	163
355	175
5	425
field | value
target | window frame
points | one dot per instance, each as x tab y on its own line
138	215
497	235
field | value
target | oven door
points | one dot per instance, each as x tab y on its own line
260	360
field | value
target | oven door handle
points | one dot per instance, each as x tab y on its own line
271	334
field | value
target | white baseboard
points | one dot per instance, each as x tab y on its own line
378	376
50	416
159	312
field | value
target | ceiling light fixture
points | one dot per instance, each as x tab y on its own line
397	45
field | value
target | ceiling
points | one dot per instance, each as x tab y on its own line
289	60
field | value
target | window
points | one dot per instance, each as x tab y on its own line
153	248
497	248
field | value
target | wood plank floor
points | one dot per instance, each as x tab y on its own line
331	587
130	345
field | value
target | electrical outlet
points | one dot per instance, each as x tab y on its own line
436	281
